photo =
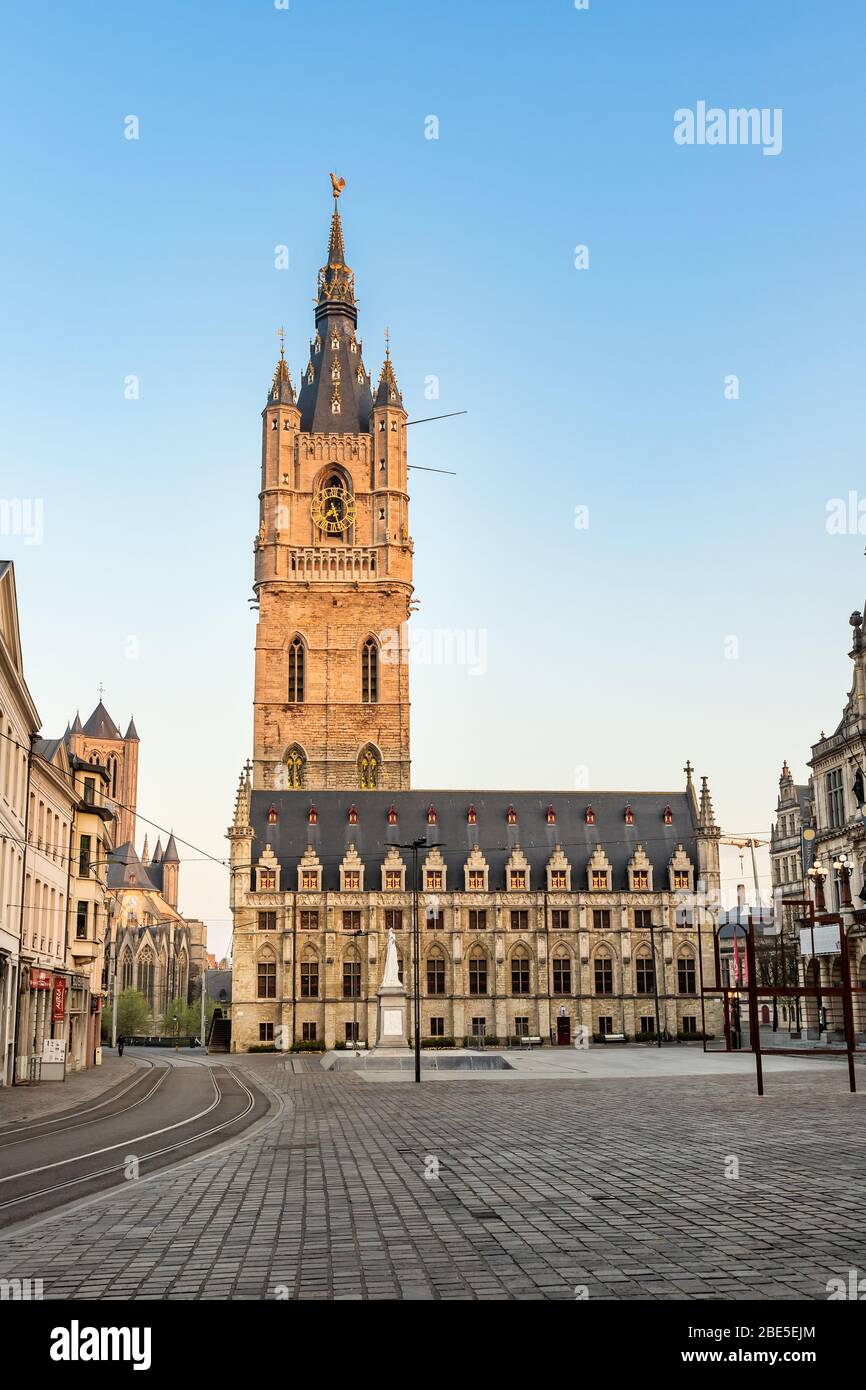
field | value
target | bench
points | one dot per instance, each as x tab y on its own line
530	1042
613	1037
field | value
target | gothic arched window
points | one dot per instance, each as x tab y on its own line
295	763
296	672
126	971
370	672
145	976
368	770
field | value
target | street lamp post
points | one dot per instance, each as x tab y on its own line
817	875
655	982
416	948
355	1047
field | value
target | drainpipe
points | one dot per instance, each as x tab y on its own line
21	910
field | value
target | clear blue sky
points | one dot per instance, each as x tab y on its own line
603	388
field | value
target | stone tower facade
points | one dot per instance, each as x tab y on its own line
100	741
333	563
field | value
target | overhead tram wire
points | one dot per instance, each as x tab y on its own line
419	468
123	806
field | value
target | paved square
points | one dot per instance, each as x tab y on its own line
544	1186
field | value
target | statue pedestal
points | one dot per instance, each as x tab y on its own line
391	1017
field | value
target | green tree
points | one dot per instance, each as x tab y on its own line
176	1018
133	1014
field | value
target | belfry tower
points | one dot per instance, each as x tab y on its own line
333	562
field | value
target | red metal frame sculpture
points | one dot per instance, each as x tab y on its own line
732	995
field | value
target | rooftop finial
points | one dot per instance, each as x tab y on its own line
337	185
100	690
388	344
281	334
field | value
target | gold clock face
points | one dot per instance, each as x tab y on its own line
333	510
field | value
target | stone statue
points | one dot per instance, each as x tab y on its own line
392	974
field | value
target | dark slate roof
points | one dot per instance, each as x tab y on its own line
356	398
101	725
170	854
47	748
125	861
131	734
219	982
332	835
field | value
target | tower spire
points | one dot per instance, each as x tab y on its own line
388	392
336	292
282	389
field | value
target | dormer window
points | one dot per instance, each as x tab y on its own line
272	814
335	406
311	375
589	816
360	376
432	817
518	879
317	344
353	346
682	878
313	816
558	879
434	880
335	342
392	815
668	816
550	816
598	878
335	369
471	817
353	816
511	816
267	880
629	816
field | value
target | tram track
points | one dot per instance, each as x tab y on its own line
24	1191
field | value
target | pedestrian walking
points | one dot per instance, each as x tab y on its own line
120	1047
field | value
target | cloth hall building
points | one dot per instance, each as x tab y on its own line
542	913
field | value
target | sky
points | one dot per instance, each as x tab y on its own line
641	558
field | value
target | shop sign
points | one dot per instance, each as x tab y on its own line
40	979
58	1012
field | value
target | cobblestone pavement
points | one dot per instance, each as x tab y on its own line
543	1186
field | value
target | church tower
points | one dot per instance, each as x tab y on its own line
100	741
333	562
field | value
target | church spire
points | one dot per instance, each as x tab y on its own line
336	294
282	389
388	392
335	395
